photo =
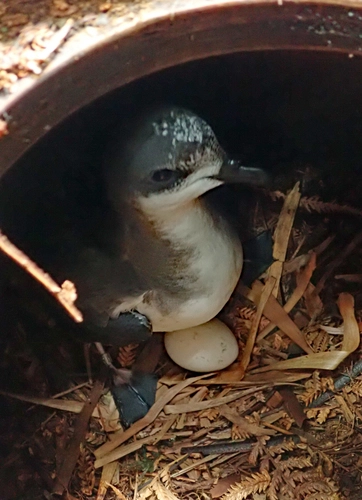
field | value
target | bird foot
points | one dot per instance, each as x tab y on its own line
133	391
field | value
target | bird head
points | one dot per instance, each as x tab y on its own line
169	158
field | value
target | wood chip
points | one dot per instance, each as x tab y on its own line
108	472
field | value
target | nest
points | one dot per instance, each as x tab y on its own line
282	423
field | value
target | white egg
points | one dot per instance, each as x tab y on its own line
204	348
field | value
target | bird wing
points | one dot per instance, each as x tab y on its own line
104	282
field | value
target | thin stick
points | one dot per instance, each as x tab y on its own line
338	261
65	294
71	454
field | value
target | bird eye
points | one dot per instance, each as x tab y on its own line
164	175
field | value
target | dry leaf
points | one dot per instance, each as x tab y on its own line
104	455
119	494
275	312
243	424
162	492
108	473
331	359
264	297
257	483
282	234
303	279
210	403
223	485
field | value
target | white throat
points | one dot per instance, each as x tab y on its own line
160	204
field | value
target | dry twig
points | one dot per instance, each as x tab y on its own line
65	294
72	452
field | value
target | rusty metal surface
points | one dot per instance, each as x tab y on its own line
150	36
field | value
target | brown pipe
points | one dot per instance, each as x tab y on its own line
158	34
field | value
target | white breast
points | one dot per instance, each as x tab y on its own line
216	263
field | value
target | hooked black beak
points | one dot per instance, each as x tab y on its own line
233	172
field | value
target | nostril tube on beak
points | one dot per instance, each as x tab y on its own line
232	172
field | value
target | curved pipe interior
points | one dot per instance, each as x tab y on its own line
164	42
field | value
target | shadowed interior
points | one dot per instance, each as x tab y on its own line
279	110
